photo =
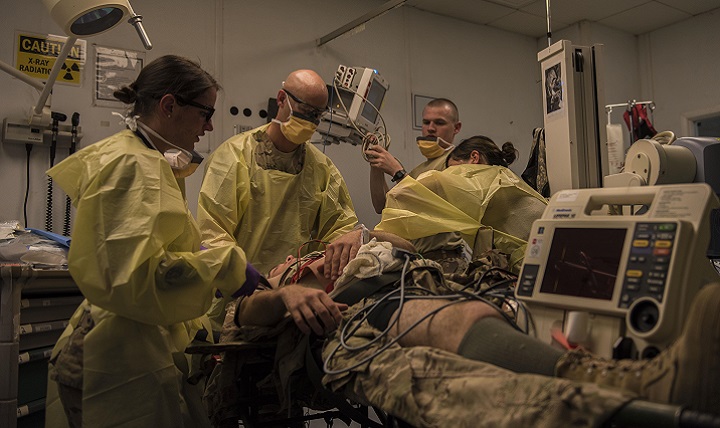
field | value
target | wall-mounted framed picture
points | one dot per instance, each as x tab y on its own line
114	68
553	89
419	102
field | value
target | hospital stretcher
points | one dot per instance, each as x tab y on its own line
252	361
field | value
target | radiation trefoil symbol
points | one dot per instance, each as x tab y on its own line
69	71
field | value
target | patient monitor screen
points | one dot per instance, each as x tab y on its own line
583	262
375	96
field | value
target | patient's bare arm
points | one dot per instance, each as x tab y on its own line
307	302
311	309
393	239
265	308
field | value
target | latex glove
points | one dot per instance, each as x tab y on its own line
252	279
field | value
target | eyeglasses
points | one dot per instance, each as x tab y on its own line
209	111
313	112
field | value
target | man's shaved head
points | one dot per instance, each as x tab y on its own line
308	86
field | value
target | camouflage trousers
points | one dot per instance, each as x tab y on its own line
428	387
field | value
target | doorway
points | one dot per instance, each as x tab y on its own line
707	127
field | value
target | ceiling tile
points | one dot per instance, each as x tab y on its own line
476	11
694	7
633	16
525	23
645	18
515	4
572	11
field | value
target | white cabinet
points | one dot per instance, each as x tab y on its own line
35	306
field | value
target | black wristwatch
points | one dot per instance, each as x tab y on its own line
398	176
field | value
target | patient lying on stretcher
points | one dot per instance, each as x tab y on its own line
436	352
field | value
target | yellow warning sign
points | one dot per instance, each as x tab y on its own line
36	55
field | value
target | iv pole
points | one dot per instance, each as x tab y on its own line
629	106
549	31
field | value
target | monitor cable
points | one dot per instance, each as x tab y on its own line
331	102
56	117
75	121
417	293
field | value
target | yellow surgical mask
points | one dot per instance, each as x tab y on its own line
430	147
297	129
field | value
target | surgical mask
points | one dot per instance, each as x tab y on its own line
298	128
430	147
183	162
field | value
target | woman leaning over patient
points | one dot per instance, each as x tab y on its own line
482	150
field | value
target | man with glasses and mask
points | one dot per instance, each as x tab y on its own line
440	124
269	188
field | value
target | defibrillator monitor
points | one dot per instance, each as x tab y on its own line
340	99
354	101
361	92
584	255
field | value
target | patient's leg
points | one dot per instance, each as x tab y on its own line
688	372
427	386
444	330
476	331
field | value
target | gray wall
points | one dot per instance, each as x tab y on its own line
185	27
676	67
683	70
251	45
416	52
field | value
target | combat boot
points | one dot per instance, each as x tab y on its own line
686	373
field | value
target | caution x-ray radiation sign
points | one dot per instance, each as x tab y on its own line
36	55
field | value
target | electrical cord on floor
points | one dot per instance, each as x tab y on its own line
28	149
49	205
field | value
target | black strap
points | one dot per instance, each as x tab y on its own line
315	373
144	140
361	288
352	293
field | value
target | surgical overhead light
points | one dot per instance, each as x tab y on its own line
77	18
80	18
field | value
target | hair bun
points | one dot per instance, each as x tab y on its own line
126	94
509	152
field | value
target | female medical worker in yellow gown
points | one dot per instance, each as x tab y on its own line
136	257
478	191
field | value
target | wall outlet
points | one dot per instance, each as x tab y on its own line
239	129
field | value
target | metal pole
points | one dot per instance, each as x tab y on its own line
21	76
392	4
549	27
69	43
